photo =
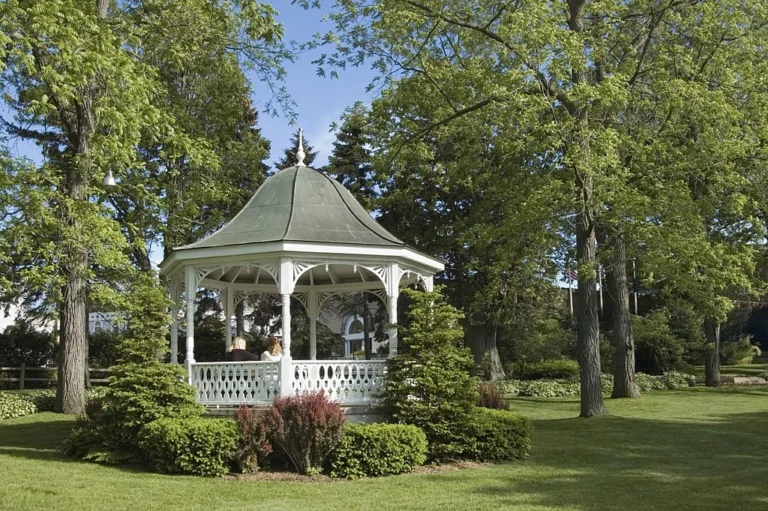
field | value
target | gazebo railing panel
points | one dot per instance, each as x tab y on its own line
233	383
347	382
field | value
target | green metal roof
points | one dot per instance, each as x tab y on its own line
300	204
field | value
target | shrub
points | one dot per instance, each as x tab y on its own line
137	395
305	428
44	400
675	380
657	348
646	382
739	352
428	383
15	405
488	396
550	369
375	450
197	445
549	388
499	435
252	445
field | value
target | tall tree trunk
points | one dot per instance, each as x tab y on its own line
367	341
618	293
482	340
587	322
712	365
239	319
70	393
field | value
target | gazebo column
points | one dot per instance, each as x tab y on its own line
286	285
229	307
174	292
191	291
393	292
313	314
429	284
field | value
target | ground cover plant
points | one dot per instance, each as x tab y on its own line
693	448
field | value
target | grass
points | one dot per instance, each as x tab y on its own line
740	369
686	449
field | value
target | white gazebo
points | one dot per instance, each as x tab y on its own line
301	235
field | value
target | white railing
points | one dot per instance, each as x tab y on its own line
233	383
348	382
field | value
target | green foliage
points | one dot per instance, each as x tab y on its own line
657	349
548	369
529	340
376	450
499	435
14	405
548	388
252	444
136	396
488	396
305	428
350	162
145	304
195	445
738	352
428	382
289	153
102	348
22	343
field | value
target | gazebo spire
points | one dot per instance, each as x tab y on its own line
300	153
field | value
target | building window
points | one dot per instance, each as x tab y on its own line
355	326
97	327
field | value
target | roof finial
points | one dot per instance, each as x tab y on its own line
300	153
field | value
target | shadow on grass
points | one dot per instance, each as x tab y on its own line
633	464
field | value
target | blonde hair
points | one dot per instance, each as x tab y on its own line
238	343
273	347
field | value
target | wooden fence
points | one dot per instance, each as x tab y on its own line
22	375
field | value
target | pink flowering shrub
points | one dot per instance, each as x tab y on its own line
252	446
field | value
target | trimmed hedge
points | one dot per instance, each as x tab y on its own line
500	435
197	446
375	450
559	369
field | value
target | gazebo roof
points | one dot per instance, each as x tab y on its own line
303	205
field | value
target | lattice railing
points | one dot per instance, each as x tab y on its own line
342	381
225	383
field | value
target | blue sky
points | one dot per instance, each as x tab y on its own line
319	101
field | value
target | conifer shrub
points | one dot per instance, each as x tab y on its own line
376	450
305	428
194	445
429	382
559	369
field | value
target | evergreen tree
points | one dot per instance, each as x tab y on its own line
350	161
289	154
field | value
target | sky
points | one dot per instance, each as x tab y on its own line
319	101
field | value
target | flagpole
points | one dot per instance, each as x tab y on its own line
600	279
570	291
634	285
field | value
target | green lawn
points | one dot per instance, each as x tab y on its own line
741	369
688	449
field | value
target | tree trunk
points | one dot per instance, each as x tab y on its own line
712	366
618	293
482	340
587	323
240	319
367	341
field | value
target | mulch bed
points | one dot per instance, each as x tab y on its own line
293	477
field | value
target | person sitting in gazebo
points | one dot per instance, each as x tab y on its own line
274	352
238	353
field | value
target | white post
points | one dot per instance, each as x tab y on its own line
174	322
393	291
229	308
286	286
429	284
191	292
313	314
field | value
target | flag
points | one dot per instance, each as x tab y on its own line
571	274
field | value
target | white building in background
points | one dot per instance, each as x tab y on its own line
106	322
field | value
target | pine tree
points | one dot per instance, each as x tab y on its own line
350	162
289	154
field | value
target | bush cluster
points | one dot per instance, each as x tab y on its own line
559	369
15	405
499	435
252	445
562	388
375	450
195	445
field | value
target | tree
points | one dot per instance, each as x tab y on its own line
289	154
350	162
